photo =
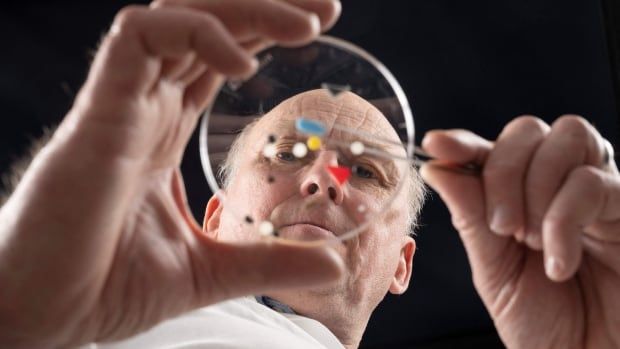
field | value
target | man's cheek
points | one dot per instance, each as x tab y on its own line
354	255
259	197
362	207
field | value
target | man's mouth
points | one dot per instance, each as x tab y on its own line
305	231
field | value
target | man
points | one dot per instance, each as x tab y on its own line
96	242
304	197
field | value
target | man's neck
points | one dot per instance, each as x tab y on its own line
349	335
346	322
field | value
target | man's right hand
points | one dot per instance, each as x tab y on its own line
97	242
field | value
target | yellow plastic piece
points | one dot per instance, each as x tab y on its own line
314	143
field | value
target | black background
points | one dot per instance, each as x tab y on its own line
462	64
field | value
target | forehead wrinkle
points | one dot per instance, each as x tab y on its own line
359	107
367	118
313	102
370	117
363	119
319	104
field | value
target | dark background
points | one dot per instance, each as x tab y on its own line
466	64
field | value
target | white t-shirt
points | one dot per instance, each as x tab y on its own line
238	323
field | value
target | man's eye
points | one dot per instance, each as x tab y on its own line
362	172
286	156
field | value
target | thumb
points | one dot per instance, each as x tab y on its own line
464	196
229	270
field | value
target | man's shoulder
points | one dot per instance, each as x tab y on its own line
238	323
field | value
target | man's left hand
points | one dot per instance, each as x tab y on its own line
541	227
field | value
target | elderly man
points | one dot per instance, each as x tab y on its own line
97	243
376	262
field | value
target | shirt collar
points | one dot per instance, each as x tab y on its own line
274	305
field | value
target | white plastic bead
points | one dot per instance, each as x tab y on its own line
300	150
270	150
357	148
265	228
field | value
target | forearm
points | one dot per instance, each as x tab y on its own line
18	168
66	191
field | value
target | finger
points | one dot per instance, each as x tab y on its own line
232	270
139	34
491	257
276	20
173	69
192	73
504	173
456	146
202	90
579	203
257	44
327	10
610	159
572	142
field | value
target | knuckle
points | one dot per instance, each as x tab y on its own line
127	16
468	225
587	176
557	223
210	21
163	3
573	126
496	171
209	24
530	124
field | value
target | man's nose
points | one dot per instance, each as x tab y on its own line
318	180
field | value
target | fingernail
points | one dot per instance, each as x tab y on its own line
554	267
315	23
424	173
533	229
520	236
534	241
239	80
254	64
428	136
500	221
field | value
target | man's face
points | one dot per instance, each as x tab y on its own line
307	202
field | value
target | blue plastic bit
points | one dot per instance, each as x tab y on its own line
310	126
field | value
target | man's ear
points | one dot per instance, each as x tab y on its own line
400	282
211	222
